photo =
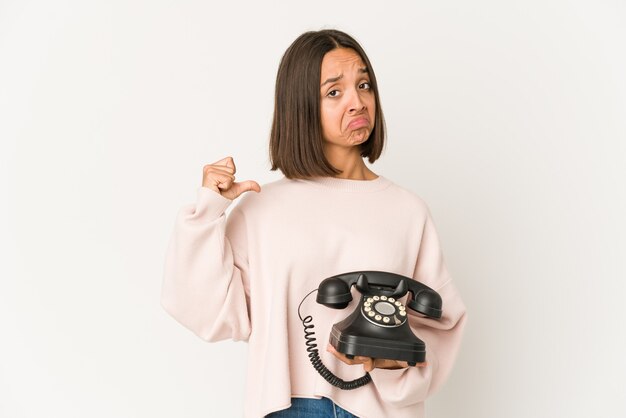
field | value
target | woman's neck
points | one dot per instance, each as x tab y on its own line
351	164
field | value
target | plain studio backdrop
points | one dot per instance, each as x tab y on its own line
507	117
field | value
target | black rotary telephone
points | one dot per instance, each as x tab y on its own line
378	327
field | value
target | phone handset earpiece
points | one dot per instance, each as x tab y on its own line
334	293
425	301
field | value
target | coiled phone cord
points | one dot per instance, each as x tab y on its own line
316	361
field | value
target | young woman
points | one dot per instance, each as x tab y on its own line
242	276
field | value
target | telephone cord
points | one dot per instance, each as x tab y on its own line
316	361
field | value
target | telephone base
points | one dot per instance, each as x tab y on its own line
351	345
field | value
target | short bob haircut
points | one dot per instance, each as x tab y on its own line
296	142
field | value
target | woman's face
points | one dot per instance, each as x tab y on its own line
347	102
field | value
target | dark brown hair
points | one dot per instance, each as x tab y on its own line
296	142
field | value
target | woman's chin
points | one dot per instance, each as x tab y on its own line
358	138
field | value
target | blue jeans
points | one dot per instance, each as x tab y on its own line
312	408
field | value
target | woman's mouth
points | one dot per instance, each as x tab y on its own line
358	123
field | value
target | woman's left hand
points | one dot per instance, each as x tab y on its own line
369	363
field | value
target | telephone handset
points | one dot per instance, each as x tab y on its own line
378	327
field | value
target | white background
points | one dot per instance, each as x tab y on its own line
507	117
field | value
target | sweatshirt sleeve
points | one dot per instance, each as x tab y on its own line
205	286
404	387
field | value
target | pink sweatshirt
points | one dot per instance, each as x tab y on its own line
241	276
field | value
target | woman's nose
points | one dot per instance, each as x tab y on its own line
356	104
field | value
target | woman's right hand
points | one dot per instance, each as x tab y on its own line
220	177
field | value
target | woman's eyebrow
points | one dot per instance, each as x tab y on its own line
333	79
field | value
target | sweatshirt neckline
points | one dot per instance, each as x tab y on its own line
349	185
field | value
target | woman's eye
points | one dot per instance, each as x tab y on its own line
365	86
333	93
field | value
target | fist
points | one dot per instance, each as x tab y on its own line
220	177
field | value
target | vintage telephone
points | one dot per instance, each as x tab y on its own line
378	327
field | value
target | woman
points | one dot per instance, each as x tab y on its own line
242	276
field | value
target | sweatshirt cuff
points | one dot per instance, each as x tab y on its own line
210	205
